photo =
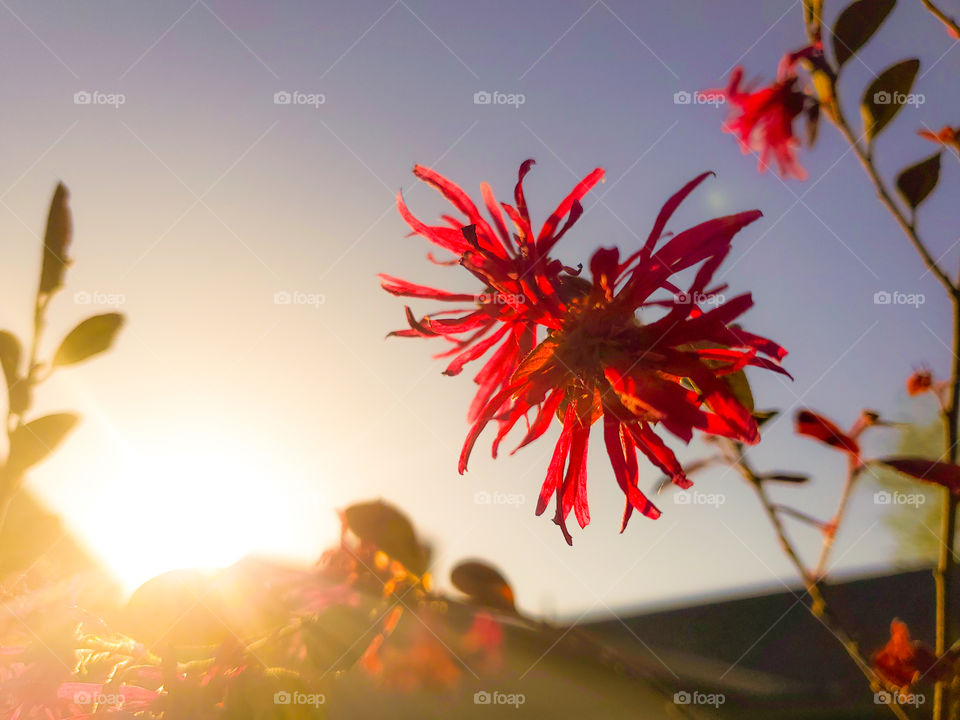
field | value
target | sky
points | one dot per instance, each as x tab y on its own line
224	422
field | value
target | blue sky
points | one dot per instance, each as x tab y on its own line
198	198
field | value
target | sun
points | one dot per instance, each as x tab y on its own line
202	502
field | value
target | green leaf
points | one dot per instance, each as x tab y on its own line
764	416
886	95
56	241
856	25
483	584
918	181
34	441
9	356
390	531
741	388
94	335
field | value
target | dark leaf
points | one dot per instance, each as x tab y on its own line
938	473
785	477
9	356
483	584
94	335
32	442
56	242
813	123
390	531
856	25
918	181
886	95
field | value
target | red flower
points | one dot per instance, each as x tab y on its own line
946	136
522	287
919	382
600	361
903	662
762	120
821	428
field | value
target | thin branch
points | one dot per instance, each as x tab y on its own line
948	21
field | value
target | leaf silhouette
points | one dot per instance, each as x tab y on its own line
390	530
92	336
918	181
886	95
34	441
56	241
856	25
483	584
10	352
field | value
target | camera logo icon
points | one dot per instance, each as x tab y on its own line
282	98
682	498
882	297
481	697
882	497
282	697
482	497
82	97
681	698
682	97
282	297
82	297
482	97
882	97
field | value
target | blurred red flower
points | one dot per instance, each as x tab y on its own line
946	136
826	431
919	382
762	120
903	662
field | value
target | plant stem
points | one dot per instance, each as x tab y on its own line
830	535
812	582
945	561
948	21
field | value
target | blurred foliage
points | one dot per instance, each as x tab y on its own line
916	527
355	634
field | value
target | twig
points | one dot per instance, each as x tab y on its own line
812	582
948	21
